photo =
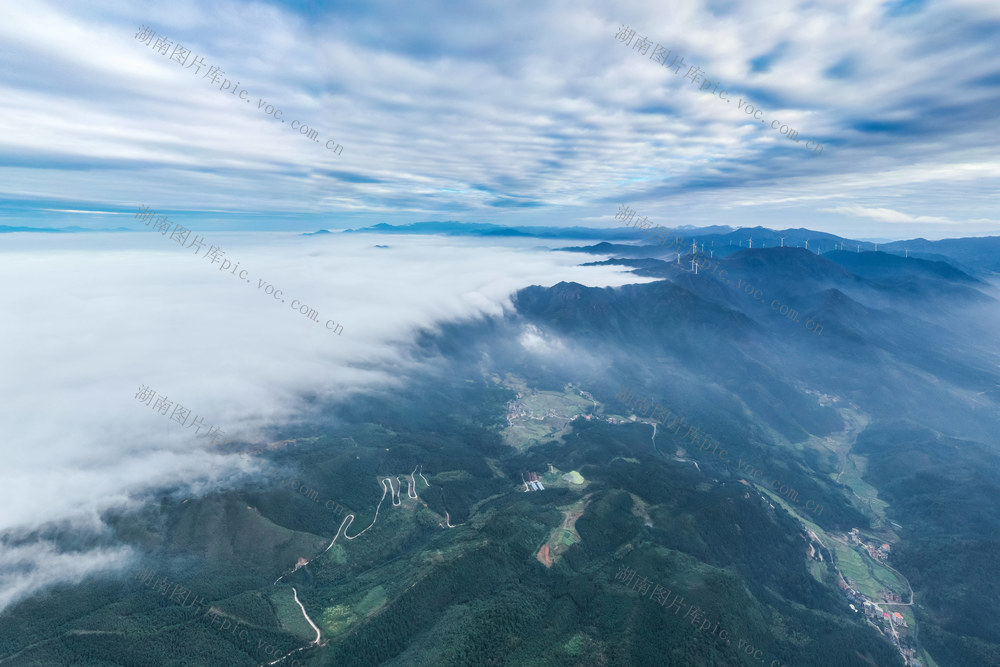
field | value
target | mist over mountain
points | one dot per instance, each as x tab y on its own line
548	334
451	228
663	414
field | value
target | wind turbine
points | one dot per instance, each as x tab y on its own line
694	248
907	252
782	240
876	247
751	242
859	248
807	244
711	254
694	267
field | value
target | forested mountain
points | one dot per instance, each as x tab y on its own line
423	540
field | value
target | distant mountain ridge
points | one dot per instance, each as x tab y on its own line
58	230
967	254
978	253
453	228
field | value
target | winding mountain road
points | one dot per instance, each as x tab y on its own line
295	593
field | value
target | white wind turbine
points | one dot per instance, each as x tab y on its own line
782	238
751	242
694	267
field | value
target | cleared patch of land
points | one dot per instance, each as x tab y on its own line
537	416
565	536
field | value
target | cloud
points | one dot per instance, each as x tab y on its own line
26	569
538	342
885	214
91	317
428	103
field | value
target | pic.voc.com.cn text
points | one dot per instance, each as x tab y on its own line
215	255
697	615
186	598
660	54
662	595
701	263
213	73
644	408
276	474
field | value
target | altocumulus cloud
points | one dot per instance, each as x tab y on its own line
88	318
466	109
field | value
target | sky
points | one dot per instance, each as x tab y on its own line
506	112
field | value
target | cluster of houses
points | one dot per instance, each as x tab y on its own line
852	594
872	610
889	596
516	410
876	551
610	420
885	620
534	482
895	617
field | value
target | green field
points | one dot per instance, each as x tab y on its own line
867	576
549	414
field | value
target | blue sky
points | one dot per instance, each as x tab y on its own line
505	112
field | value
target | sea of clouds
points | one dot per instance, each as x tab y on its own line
88	318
